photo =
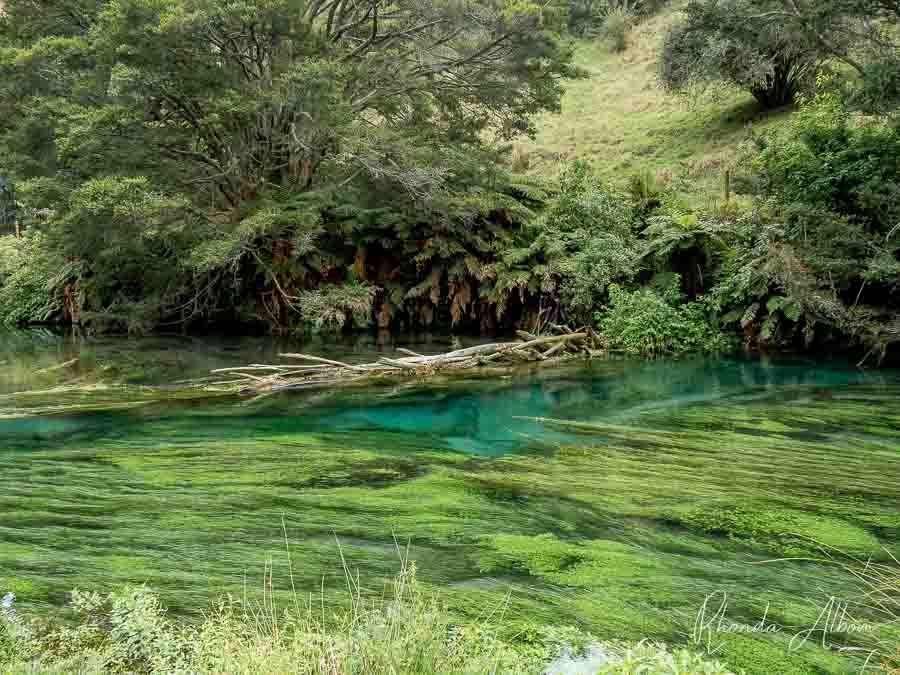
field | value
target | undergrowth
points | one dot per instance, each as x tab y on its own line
645	321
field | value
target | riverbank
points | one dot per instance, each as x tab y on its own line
406	631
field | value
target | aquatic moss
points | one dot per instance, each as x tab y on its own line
560	528
784	531
758	656
616	586
541	555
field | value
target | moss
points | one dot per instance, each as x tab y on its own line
23	588
784	531
580	533
542	555
621	587
754	656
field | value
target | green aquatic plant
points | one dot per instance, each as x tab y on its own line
783	531
558	522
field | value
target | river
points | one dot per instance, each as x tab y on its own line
660	485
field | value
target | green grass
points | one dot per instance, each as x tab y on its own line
620	120
405	630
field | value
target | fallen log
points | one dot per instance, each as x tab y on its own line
321	372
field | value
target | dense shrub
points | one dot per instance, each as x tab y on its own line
824	251
644	321
838	161
31	280
579	243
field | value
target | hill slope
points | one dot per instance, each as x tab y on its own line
619	119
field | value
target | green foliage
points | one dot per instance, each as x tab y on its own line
771	48
408	631
644	321
735	43
768	288
823	250
585	16
785	532
753	656
588	18
656	659
580	243
293	166
667	235
31	280
210	161
333	305
616	28
838	162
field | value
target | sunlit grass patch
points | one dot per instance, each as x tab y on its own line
620	118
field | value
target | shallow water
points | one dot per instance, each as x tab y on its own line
612	524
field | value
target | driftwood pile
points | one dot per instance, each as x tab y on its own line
316	371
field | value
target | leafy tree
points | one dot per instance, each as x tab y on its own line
772	47
720	42
240	154
862	34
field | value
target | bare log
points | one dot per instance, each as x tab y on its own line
258	378
409	352
307	357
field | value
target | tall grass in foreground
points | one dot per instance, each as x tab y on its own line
403	631
872	618
880	593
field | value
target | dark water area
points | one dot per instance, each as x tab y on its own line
615	495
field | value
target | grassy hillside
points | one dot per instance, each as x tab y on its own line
619	119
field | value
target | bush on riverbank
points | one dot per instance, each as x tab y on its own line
128	631
27	290
645	321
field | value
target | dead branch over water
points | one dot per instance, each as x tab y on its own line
308	371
